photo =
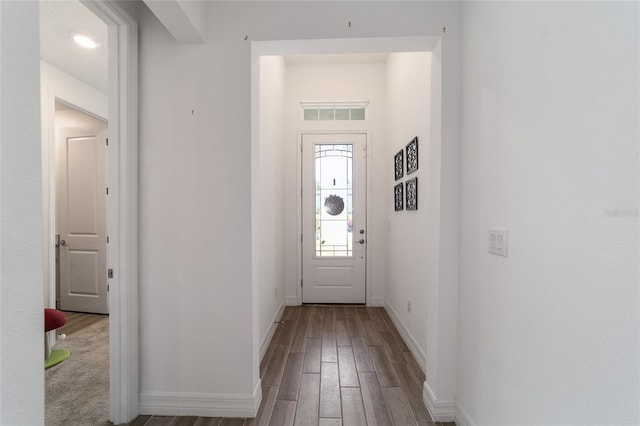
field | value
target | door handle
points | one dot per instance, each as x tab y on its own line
60	242
361	241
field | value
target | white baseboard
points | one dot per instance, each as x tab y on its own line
292	301
462	417
440	410
200	404
411	342
377	302
266	340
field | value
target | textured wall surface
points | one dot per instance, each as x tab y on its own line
549	334
21	296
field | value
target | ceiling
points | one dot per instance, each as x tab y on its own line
60	20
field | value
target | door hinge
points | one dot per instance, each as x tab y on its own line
107	141
300	238
300	283
107	190
110	273
107	239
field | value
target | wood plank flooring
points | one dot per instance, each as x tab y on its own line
332	365
76	321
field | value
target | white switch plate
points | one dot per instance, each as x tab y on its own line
498	241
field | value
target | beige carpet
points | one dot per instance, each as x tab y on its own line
77	391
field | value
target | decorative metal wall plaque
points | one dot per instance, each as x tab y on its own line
398	163
412	155
412	194
334	205
398	196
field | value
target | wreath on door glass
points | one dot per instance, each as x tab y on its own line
334	205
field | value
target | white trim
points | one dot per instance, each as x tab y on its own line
298	218
264	345
333	104
408	338
440	410
369	222
292	300
122	211
376	301
201	404
462	416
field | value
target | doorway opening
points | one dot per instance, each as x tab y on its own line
403	246
75	109
80	211
114	99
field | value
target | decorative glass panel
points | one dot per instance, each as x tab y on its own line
342	114
310	114
326	114
357	113
334	199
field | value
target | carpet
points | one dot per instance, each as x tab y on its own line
77	391
56	357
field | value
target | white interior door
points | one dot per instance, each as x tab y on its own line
334	218
81	213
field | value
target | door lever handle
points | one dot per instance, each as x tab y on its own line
60	242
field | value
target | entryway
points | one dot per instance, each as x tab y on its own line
334	172
298	88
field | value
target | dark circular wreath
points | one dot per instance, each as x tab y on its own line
334	205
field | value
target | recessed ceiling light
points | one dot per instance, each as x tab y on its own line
85	41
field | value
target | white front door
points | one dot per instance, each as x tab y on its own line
81	218
334	217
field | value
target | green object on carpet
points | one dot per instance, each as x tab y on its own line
56	357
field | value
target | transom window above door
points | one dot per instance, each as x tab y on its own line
333	110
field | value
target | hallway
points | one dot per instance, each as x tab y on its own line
332	365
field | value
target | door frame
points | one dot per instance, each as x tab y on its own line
369	183
122	207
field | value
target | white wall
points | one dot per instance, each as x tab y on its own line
268	208
346	82
408	87
195	226
550	334
55	83
21	310
196	291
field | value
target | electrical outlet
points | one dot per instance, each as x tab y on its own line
409	305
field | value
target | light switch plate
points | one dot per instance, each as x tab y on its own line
498	241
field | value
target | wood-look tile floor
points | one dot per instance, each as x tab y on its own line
332	365
77	321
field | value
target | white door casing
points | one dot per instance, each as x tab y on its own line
81	217
334	217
